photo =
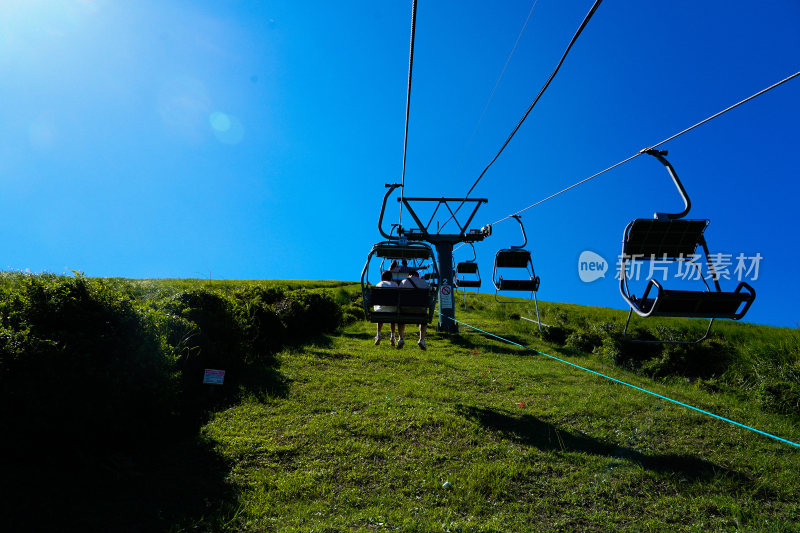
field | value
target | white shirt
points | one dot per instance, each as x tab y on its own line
388	308
412	282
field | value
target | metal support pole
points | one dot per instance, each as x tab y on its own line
447	308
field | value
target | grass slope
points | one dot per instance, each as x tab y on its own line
473	434
366	437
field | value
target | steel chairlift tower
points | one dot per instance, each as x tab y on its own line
443	242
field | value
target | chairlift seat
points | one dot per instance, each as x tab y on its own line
669	239
529	285
695	304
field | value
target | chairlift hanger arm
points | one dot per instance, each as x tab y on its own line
391	187
524	236
659	154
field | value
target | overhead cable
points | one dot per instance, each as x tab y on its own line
408	105
530	107
759	93
494	89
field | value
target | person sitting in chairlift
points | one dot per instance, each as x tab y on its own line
413	281
386	281
401	271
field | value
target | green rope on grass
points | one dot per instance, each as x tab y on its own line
770	435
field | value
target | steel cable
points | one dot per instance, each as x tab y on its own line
408	108
530	107
640	152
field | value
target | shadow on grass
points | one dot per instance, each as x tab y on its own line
164	477
176	484
497	346
530	431
359	336
316	341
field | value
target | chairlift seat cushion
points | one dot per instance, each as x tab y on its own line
673	239
530	285
697	304
512	259
469	283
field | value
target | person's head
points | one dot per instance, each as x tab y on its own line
405	263
386	276
413	274
393	264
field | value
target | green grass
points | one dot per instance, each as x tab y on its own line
366	437
471	435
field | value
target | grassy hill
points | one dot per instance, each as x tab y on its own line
333	433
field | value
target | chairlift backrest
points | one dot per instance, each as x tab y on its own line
670	239
467	267
509	258
391	250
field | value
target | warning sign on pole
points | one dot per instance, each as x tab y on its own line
446	297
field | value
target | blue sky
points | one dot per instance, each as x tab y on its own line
251	140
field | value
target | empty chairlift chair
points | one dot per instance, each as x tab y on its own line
467	274
516	259
668	238
410	305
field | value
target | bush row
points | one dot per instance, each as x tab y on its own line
84	362
767	372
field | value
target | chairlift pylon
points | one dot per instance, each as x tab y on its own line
670	237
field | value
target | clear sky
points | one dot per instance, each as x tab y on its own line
252	139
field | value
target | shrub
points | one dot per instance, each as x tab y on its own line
264	330
307	314
556	334
342	297
583	341
780	397
621	351
206	333
559	317
771	371
705	360
79	363
353	313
